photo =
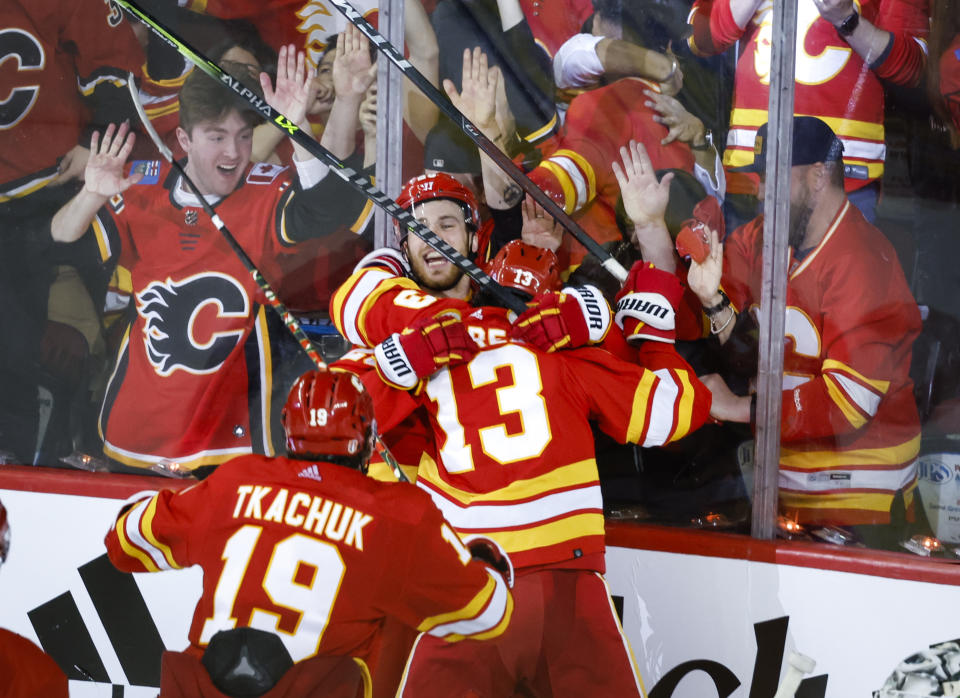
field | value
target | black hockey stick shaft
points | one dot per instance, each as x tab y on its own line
289	321
482	142
349	175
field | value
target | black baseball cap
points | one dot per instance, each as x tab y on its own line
448	149
813	142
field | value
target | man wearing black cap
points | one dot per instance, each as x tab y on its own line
850	431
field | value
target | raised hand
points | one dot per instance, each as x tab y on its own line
704	279
478	97
295	90
539	227
103	174
353	71
644	197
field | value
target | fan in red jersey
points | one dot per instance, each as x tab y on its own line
304	558
27	670
845	51
201	333
850	431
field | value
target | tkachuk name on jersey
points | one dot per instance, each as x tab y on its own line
320	516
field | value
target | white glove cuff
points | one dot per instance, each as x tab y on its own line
595	310
393	365
649	308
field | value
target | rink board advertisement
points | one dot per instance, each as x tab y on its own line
701	625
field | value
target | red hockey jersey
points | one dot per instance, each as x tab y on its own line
27	671
316	553
63	59
832	81
552	22
194	375
850	431
578	173
514	450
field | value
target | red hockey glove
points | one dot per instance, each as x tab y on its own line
576	316
646	305
489	551
694	238
404	359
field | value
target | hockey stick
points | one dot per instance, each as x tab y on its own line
289	321
482	142
353	178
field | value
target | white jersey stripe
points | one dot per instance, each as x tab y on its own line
839	479
487	620
665	396
359	293
576	177
132	529
498	516
865	399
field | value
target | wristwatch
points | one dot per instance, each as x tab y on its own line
848	25
707	141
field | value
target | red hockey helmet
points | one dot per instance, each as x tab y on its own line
328	413
437	185
526	268
4	533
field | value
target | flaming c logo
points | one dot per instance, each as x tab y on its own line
175	334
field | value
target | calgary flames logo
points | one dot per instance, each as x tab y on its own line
186	322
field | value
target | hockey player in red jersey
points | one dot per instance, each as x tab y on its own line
26	670
513	455
850	433
308	554
514	460
843	52
200	334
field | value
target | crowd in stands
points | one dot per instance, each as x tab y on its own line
135	339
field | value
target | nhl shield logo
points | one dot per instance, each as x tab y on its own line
191	216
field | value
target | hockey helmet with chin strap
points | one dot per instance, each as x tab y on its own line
437	185
329	414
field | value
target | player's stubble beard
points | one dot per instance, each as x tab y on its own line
800	212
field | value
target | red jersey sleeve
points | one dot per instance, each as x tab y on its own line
441	589
650	404
374	303
907	21
714	29
152	534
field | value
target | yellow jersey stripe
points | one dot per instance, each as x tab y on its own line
842	127
891	455
147	529
584	166
840	399
569	191
495	631
472	609
542	131
567	528
870	501
565	477
834	365
129	548
638	412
